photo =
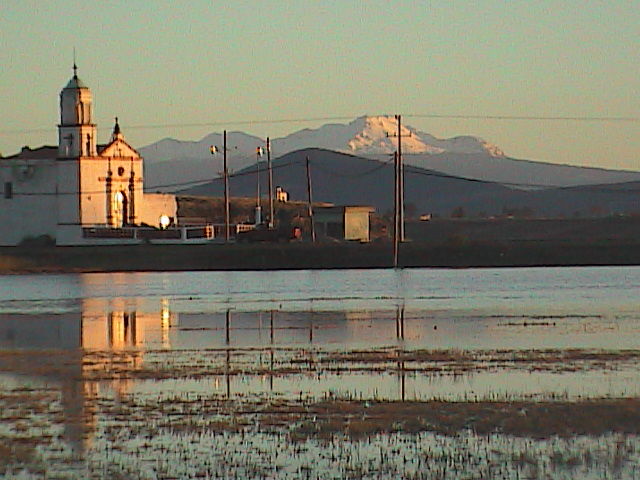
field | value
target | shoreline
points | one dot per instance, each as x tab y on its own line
306	256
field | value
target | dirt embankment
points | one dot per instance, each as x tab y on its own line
438	243
309	256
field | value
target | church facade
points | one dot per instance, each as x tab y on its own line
80	192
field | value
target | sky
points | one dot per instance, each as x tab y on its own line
269	68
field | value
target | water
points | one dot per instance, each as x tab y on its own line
555	288
158	357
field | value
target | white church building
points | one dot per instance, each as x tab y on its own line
82	193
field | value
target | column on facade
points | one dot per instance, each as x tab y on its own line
132	186
108	191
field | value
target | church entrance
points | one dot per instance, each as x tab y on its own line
120	209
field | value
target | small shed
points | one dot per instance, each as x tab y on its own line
343	222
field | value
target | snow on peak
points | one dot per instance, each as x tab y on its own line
379	135
366	135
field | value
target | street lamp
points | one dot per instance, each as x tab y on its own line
214	150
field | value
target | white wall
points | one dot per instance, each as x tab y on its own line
356	226
33	209
67	188
155	205
45	201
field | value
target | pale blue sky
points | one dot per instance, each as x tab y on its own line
165	62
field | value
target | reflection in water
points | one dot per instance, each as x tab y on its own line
119	324
109	338
106	353
111	325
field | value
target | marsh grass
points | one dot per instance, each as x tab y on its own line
171	431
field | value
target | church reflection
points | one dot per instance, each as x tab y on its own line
124	324
67	350
93	353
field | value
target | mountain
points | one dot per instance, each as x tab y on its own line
376	135
171	163
514	172
350	180
346	179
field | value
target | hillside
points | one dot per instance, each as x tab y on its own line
524	174
349	180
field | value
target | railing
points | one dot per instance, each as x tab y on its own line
186	233
202	232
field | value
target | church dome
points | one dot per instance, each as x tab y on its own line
75	82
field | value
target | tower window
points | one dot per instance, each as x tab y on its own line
8	190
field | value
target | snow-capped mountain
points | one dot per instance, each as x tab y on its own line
174	164
378	135
169	162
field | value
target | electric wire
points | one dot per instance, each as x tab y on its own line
318	165
543	118
276	121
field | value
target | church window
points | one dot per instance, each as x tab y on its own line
8	190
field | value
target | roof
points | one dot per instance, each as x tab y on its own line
75	82
345	209
40	153
104	150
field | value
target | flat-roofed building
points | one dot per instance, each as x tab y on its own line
343	222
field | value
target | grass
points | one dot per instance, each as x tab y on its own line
525	419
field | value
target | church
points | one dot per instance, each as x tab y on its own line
83	193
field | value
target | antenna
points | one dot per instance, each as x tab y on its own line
75	67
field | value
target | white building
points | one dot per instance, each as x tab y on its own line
79	192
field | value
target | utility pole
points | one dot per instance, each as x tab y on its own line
396	232
398	205
271	212
309	207
400	179
226	188
225	173
258	219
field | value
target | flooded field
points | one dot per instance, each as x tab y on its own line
518	373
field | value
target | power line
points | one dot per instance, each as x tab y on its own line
598	188
527	117
354	175
318	165
544	118
418	171
155	187
152	126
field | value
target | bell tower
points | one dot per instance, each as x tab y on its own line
76	131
